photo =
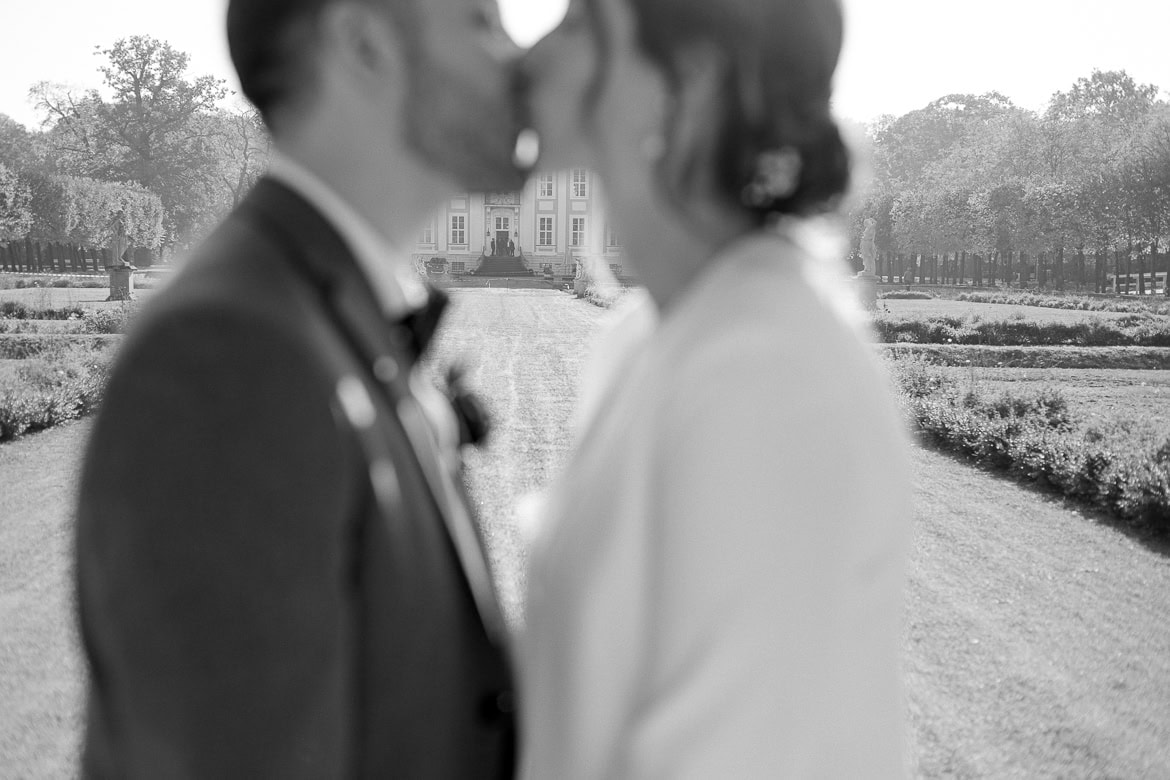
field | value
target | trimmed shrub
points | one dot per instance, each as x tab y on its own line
1133	330
15	215
15	310
20	344
1033	437
1076	302
106	320
906	295
60	385
74	208
1134	358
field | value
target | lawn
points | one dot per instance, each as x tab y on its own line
9	370
1037	639
65	297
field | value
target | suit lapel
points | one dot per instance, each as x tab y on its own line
383	350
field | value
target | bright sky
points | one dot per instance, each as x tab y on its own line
899	54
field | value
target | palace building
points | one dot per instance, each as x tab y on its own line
555	222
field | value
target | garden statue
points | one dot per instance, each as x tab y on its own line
866	281
869	247
120	270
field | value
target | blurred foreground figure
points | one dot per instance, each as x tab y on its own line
717	587
277	573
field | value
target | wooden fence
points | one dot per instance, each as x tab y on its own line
46	257
1081	272
1140	284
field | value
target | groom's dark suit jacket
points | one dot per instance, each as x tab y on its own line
251	605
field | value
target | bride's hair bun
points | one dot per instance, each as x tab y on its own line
779	150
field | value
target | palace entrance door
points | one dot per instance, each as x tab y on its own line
503	233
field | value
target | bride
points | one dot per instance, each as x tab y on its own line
716	589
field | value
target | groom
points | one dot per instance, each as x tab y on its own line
277	573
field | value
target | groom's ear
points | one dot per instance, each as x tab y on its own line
365	43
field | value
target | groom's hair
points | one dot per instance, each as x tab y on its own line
273	45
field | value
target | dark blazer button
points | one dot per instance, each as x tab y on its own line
497	706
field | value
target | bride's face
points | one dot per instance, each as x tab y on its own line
594	97
560	68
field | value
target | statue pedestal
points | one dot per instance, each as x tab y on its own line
866	286
121	282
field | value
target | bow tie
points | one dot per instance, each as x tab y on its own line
421	324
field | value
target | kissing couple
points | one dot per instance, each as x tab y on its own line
278	573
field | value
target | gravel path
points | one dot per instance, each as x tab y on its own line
1038	640
523	351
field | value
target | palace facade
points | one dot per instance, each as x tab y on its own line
555	222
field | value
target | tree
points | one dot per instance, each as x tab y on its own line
147	133
1110	96
238	146
905	146
19	149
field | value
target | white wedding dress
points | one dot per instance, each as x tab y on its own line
716	588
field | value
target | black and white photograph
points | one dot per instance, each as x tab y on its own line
585	389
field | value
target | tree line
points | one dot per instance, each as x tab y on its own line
158	160
1063	197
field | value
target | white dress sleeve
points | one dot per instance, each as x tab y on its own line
777	585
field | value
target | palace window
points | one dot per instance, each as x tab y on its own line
580	183
544	236
458	266
611	236
545	185
578	234
458	229
428	234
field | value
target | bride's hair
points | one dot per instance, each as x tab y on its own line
778	148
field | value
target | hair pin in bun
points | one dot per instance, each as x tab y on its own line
777	176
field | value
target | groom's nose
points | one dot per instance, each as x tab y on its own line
521	85
502	45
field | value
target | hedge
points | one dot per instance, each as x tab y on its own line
62	385
15	215
1130	330
1032	437
1148	304
85	211
981	356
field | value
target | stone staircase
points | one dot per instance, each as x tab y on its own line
502	266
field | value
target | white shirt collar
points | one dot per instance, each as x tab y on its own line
389	271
